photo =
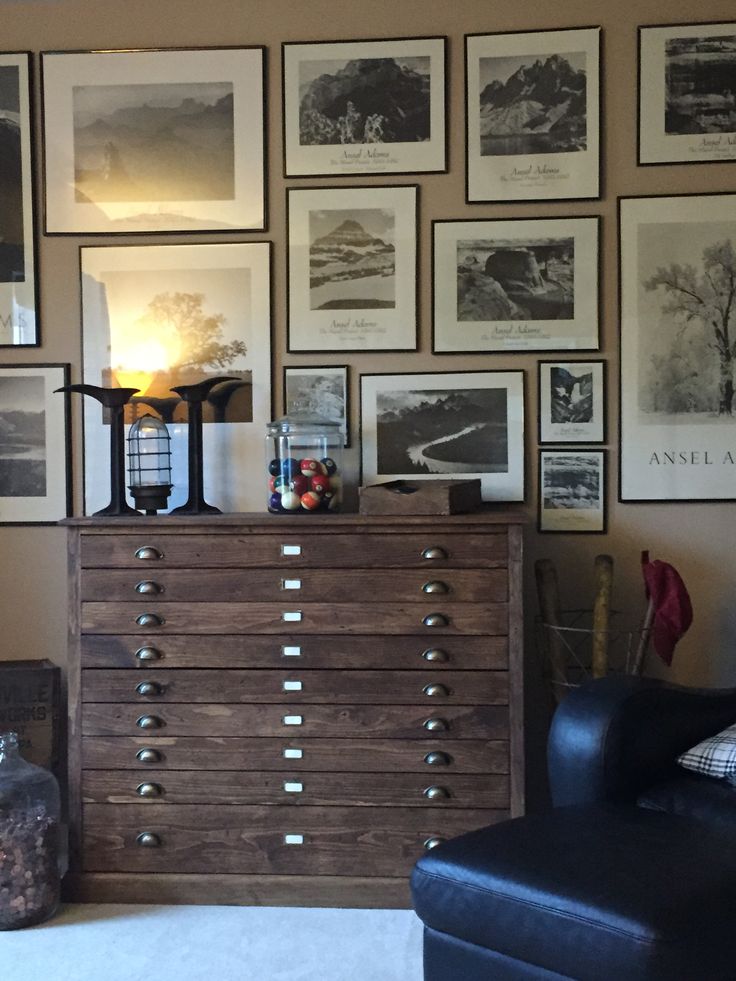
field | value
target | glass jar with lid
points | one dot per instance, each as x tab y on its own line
304	465
30	870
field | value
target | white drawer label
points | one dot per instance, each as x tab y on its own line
291	550
291	584
291	651
291	616
293	754
293	720
292	787
293	839
292	686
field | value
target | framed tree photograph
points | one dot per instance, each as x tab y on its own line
364	107
572	491
320	392
35	470
352	269
154	141
461	424
18	288
532	124
687	100
678	327
158	316
572	402
519	284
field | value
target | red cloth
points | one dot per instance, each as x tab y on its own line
673	612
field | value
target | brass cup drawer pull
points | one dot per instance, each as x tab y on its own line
436	793
434	552
149	722
434	586
436	691
436	620
438	759
433	842
150	620
148	755
148	553
151	688
147	587
149	790
436	725
147	839
435	654
148	654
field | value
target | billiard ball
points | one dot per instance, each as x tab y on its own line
319	484
274	468
274	502
290	467
299	484
311	501
310	467
329	464
290	501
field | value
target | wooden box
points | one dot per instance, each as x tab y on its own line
29	706
421	497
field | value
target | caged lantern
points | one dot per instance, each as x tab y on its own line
149	463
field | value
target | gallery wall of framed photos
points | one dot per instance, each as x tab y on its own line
509	223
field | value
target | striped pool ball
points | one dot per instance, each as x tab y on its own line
329	464
310	467
311	501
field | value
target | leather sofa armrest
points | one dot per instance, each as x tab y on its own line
614	736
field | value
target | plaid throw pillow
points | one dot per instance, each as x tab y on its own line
714	757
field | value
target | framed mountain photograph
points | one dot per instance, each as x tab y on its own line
518	284
461	424
352	269
18	288
35	471
572	491
678	324
320	392
154	141
364	107
687	93
532	124
572	402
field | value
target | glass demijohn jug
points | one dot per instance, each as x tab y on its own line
29	839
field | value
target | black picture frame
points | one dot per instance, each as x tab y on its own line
315	406
574	429
571	520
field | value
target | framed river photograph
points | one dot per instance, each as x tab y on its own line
35	472
319	392
154	141
687	93
678	322
18	289
572	491
572	402
364	107
518	284
155	316
532	124
352	269
461	424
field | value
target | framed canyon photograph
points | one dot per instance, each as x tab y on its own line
364	107
687	93
678	322
572	491
18	286
35	469
154	140
352	268
572	402
320	392
532	125
155	316
461	424
518	284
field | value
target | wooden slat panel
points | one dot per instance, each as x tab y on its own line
321	721
327	651
325	789
263	753
329	687
316	618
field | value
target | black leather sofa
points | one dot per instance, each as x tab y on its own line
630	877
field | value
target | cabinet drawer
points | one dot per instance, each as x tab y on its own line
204	838
429	756
290	549
252	651
303	584
300	618
156	687
229	787
291	720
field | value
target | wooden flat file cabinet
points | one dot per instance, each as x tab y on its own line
288	711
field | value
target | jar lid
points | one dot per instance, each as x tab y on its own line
298	423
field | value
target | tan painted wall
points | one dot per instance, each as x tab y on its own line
699	539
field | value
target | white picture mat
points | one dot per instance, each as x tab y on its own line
571	432
233	453
572	519
61	72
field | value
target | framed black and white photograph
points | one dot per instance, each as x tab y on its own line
18	289
158	316
35	472
687	93
533	115
464	424
519	284
678	322
154	141
320	392
572	402
572	491
364	107
352	269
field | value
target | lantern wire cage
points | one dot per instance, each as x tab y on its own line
149	463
